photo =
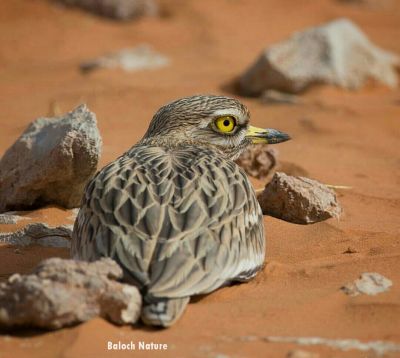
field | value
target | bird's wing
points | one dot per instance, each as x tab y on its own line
180	222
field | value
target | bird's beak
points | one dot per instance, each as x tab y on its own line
270	136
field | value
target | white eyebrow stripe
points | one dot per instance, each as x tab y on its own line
228	112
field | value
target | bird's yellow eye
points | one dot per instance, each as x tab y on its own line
225	124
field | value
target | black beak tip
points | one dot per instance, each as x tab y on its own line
279	137
286	137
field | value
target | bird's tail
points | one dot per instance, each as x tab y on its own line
163	312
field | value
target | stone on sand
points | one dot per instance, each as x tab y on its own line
259	161
298	200
336	53
142	57
51	162
369	283
39	234
117	9
65	292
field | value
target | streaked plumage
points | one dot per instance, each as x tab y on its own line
175	211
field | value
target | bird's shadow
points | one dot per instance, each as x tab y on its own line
29	332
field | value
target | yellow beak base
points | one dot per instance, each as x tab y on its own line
267	136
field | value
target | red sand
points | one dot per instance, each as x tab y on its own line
351	138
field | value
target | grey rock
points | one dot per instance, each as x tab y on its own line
337	53
369	283
65	292
39	234
51	162
131	59
259	161
298	200
116	9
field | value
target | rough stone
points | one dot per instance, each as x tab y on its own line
298	200
39	234
51	162
259	161
65	292
116	9
369	283
337	53
131	59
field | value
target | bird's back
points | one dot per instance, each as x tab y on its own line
180	221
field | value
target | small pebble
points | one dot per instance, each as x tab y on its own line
369	283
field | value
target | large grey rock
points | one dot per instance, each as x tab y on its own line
64	292
298	200
258	161
51	162
39	234
337	53
369	283
117	9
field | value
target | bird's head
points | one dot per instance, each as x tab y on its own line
213	121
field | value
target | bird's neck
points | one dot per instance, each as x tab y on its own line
172	142
166	141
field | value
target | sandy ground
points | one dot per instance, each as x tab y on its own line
339	137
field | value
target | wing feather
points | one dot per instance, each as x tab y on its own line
180	222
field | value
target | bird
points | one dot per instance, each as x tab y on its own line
175	211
